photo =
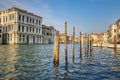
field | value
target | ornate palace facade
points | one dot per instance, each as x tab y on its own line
19	26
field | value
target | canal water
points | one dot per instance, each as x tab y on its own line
35	62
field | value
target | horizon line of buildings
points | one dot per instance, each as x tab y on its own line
112	32
18	26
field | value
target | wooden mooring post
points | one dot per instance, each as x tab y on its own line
81	34
85	44
101	41
88	44
115	42
65	47
73	44
56	49
91	44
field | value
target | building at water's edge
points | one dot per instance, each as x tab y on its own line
114	31
18	26
48	34
62	38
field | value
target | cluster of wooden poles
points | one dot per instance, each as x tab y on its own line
88	40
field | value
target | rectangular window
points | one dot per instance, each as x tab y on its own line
3	29
6	28
33	29
8	37
11	27
23	37
39	22
0	36
23	18
0	30
36	22
39	30
114	30
11	37
30	20
22	28
36	30
26	29
12	16
20	38
27	19
33	21
30	29
19	18
0	20
6	18
48	34
3	19
19	28
4	12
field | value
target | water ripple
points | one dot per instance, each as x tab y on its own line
35	62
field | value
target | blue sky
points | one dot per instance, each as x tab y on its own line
86	15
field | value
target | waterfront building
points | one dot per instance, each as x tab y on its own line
19	26
48	34
62	38
0	34
104	37
95	37
112	32
99	39
77	40
118	30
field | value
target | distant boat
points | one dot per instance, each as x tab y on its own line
106	45
99	45
112	45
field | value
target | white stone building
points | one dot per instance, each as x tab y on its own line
112	32
20	26
48	34
0	34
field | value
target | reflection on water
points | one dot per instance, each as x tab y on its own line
35	62
7	61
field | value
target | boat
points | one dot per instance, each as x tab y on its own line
112	45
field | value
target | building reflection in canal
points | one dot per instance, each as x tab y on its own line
35	62
7	61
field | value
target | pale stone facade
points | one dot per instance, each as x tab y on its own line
95	37
0	34
19	26
48	34
112	31
104	37
99	37
118	30
62	38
